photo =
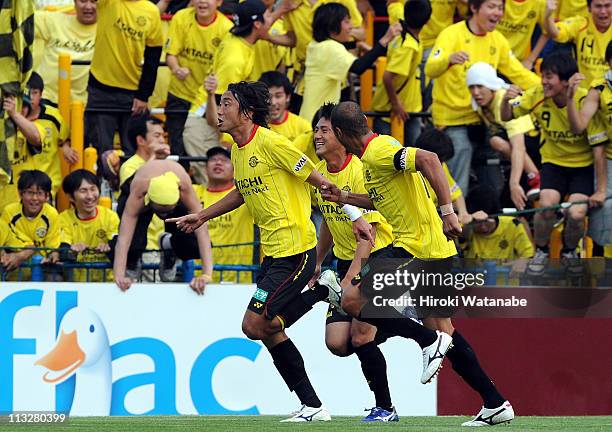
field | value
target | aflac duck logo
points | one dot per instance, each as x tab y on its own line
82	349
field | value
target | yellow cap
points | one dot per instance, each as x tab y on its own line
163	189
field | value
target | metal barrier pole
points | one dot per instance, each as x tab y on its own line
367	78
381	65
77	132
397	129
63	103
90	159
37	271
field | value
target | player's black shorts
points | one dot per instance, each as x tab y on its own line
567	180
333	315
424	294
280	280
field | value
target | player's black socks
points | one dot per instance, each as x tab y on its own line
404	327
290	365
466	364
374	367
303	303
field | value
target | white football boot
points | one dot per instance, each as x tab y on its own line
492	416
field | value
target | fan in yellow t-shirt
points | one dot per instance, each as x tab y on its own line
86	227
281	120
590	35
324	78
235	227
517	25
399	89
567	157
72	33
194	36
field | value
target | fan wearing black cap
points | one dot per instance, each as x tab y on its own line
234	227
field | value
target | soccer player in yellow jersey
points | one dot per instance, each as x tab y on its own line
344	334
323	78
33	221
74	34
399	90
123	70
598	105
271	178
281	120
86	227
589	34
456	49
567	157
194	36
508	138
394	181
234	227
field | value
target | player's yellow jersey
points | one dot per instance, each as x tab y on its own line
63	33
93	232
519	21
451	98
403	59
323	78
349	178
491	117
590	46
291	126
560	146
40	231
235	227
124	29
604	88
9	239
194	45
305	144
233	62
24	152
270	174
269	56
56	131
508	241
399	192
299	21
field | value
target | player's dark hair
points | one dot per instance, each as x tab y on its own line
609	52
561	64
276	79
72	182
589	4
253	100
416	14
30	178
325	112
477	4
348	117
436	141
328	20
36	82
483	197
137	126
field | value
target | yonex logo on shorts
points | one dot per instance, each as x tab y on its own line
260	295
300	164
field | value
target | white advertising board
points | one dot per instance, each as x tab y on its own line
160	349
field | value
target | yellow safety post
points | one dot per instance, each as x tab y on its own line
397	129
105	201
63	102
90	159
367	78
77	132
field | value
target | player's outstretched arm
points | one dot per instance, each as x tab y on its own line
126	233
193	221
429	164
333	193
324	245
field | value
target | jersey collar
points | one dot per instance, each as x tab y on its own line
76	213
253	132
374	135
223	189
344	165
283	120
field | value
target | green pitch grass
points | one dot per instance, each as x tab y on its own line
338	424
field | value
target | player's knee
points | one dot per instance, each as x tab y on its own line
577	215
337	347
252	330
361	338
